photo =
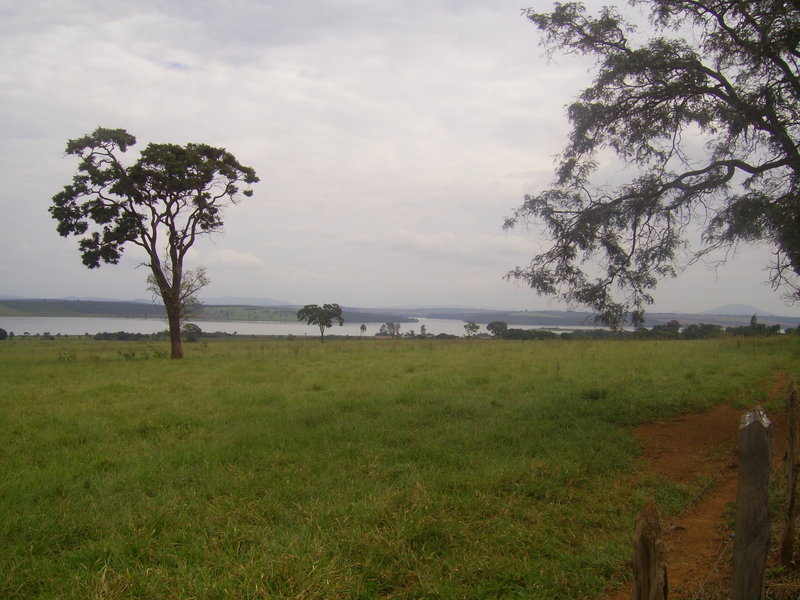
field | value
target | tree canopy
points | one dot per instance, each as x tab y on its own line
497	328
321	316
706	114
471	328
392	329
162	203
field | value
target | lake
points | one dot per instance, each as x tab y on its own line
92	325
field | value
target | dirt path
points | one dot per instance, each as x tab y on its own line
699	547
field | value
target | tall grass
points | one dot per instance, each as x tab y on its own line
351	469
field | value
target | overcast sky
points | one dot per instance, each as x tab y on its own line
391	137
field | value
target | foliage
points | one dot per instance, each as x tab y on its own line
126	336
698	331
321	316
3	334
193	281
759	329
723	73
669	330
389	328
161	203
512	333
497	328
191	332
471	328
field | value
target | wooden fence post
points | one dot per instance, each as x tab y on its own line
751	543
792	467
649	567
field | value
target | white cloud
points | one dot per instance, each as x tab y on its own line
392	138
448	247
230	259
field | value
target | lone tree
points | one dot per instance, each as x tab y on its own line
321	316
497	328
162	202
732	85
394	329
191	332
471	328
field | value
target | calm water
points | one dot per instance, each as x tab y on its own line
91	325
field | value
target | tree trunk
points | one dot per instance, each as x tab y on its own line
170	291
174	320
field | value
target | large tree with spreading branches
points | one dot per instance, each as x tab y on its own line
705	111
162	203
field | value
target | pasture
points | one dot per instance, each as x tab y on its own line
350	469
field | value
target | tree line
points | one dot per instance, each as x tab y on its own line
671	330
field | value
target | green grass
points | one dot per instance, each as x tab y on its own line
247	313
352	469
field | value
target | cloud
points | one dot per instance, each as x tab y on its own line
482	249
391	138
230	259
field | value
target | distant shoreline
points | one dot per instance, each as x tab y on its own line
249	313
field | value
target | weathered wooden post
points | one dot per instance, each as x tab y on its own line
649	566
792	467
751	544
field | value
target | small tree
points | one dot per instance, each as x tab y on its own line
363	329
392	329
497	328
162	202
3	334
193	281
471	328
670	330
321	316
191	332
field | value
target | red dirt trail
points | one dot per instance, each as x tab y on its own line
699	547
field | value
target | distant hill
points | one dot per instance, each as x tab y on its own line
723	316
241	301
80	308
737	309
208	312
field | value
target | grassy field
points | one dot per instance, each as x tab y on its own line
352	469
247	313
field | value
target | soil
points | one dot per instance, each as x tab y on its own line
698	541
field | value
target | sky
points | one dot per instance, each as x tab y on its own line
391	138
